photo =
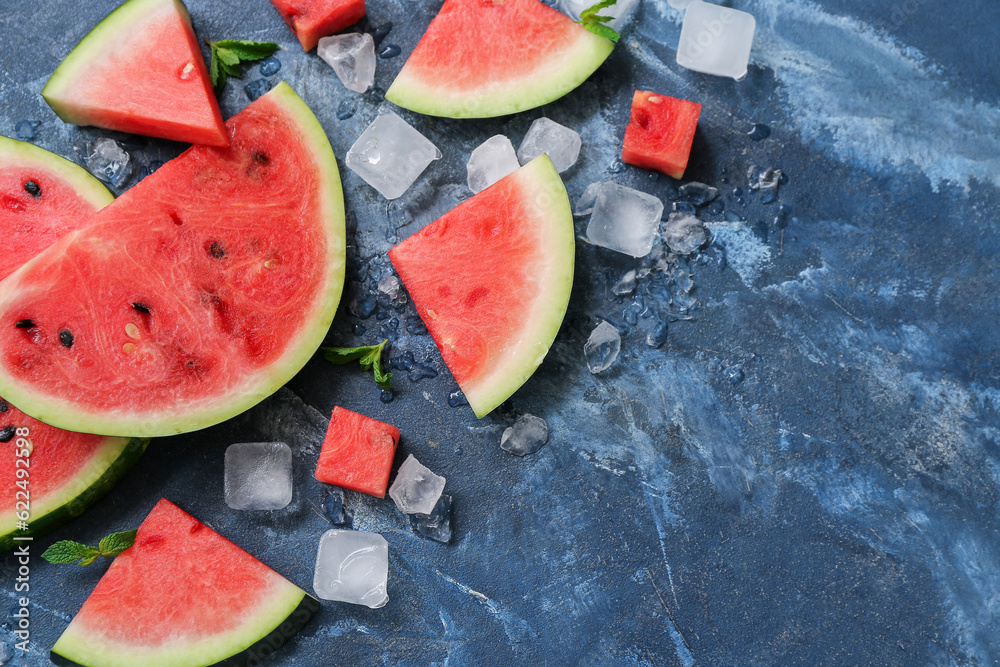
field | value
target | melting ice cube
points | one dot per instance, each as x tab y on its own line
436	525
625	284
602	348
352	566
109	162
696	193
528	434
491	161
561	143
352	57
416	489
684	233
623	219
392	288
716	40
390	155
258	475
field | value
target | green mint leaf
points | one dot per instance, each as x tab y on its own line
231	70
594	22
115	543
66	551
604	31
369	356
226	57
248	51
90	558
228	54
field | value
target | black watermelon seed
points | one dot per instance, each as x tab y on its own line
32	189
7	434
66	338
260	157
24	324
141	307
217	251
4	405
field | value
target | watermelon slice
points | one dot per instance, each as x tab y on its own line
482	58
660	133
491	280
183	595
44	197
194	295
357	453
140	70
312	19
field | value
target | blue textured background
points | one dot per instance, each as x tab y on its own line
807	472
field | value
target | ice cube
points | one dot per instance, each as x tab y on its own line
352	57
684	233
624	219
109	162
625	284
491	161
716	40
696	193
416	489
528	434
585	204
392	288
621	11
561	143
436	525
602	348
352	566
258	475
390	155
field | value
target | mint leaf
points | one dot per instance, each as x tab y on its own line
67	551
594	22
248	51
228	54
115	543
369	356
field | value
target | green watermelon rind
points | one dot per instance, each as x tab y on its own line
25	156
78	494
107	32
277	620
589	52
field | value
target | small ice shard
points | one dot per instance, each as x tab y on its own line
392	288
624	219
109	162
625	284
258	475
768	182
436	525
352	57
492	160
390	155
684	233
602	348
620	12
585	204
559	142
716	40
696	193
416	489
352	566
658	336
528	434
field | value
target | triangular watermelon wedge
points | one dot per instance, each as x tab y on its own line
141	71
491	280
183	595
482	58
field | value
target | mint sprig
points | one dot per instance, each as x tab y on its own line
228	54
67	551
369	356
594	22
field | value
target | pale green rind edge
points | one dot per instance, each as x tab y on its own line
555	213
85	648
100	36
526	93
22	154
63	414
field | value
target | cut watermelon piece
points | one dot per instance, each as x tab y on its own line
312	19
194	295
491	280
482	58
183	595
357	453
660	133
140	70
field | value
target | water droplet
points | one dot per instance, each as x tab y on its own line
759	131
346	109
269	66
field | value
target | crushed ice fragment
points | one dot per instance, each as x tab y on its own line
716	40
768	182
392	288
658	336
416	489
684	233
352	566
585	204
26	129
258	475
624	219
602	348
352	57
528	434
559	142
696	193
625	284
109	162
390	155
436	525
620	12
491	161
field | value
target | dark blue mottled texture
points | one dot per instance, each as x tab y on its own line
806	472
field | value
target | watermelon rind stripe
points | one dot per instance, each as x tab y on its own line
264	630
27	156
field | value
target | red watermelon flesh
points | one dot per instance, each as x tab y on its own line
193	296
140	70
357	453
181	595
660	133
312	19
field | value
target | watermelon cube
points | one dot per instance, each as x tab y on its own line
312	19
357	453
660	133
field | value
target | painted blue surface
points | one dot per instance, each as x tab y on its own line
806	472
